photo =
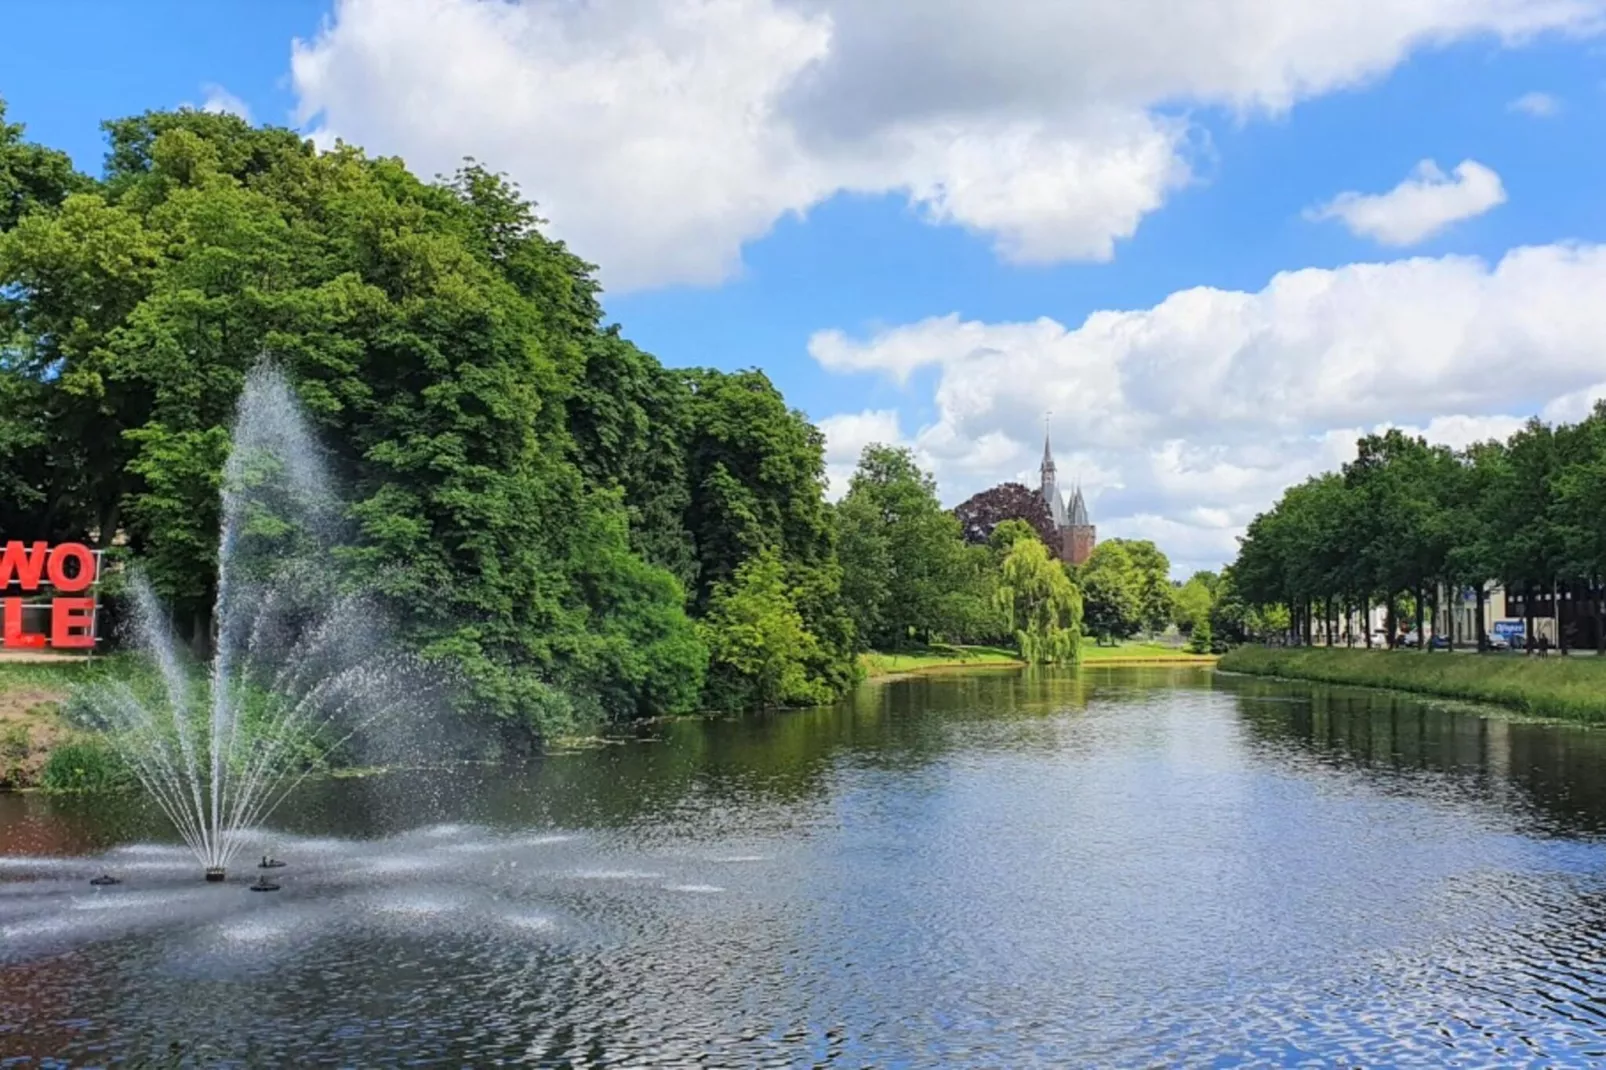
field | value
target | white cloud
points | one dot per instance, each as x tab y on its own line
1539	105
1421	206
1574	406
220	100
660	135
847	435
1196	413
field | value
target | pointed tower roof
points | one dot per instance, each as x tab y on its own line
1049	488
1078	510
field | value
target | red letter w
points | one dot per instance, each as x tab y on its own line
19	565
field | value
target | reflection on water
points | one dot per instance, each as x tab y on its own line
1131	867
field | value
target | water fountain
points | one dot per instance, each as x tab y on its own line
300	666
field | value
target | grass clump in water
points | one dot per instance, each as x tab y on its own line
85	764
1570	688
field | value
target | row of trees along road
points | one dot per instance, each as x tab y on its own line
1405	518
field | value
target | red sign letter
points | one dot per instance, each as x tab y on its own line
58	572
72	622
11	634
19	565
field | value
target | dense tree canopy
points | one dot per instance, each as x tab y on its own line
901	551
545	506
1406	519
1126	588
981	513
1041	604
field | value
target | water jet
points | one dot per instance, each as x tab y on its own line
300	664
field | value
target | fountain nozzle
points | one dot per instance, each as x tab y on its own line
214	874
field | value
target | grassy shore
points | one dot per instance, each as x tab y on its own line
1137	653
1572	689
31	697
941	656
937	656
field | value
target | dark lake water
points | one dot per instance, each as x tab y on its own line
1126	868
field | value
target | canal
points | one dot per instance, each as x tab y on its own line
1153	867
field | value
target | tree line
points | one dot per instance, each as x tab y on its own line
579	531
986	571
1407	520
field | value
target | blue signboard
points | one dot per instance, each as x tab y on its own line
1509	630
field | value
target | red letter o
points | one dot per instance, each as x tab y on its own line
57	571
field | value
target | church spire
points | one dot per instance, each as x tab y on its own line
1049	487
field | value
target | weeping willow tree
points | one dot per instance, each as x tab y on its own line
1043	606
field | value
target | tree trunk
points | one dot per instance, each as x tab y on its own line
1421	632
1391	622
1447	605
1366	618
1528	617
201	636
1600	617
1483	618
1556	591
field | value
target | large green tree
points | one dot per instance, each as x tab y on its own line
1041	604
1112	592
903	560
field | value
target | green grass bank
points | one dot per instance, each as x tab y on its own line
1572	689
32	693
942	656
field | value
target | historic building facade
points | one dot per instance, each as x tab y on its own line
1077	535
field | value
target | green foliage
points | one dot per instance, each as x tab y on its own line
1405	518
1153	582
1008	532
760	649
1111	592
1041	604
1200	639
1192	602
546	508
902	556
85	764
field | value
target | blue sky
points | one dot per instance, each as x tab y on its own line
770	171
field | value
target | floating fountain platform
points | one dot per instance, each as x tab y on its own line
264	885
215	874
270	863
105	880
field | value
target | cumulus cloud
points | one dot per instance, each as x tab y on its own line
1423	205
1539	105
223	102
660	135
1197	412
847	435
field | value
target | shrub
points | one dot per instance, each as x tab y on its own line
85	764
